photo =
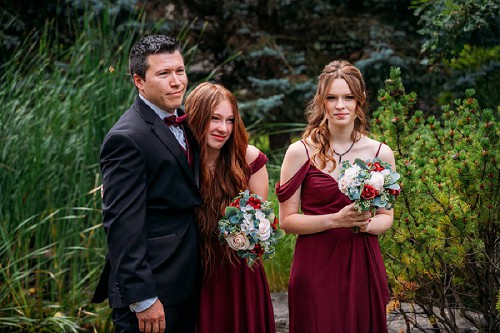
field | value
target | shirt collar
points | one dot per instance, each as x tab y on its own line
160	112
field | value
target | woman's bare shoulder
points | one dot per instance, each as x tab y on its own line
295	158
297	152
252	153
380	149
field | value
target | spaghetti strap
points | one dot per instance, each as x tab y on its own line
378	151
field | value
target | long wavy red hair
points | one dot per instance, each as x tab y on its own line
317	130
217	188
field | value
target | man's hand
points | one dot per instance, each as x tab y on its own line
152	320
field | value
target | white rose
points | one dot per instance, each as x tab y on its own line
238	241
352	172
349	178
264	229
377	181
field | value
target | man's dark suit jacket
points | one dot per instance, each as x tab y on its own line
150	193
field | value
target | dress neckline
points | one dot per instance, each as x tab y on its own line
328	175
324	173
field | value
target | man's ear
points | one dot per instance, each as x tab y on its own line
138	81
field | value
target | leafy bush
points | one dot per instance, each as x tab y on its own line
443	252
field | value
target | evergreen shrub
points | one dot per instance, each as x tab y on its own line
443	251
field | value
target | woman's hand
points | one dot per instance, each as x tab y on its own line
350	217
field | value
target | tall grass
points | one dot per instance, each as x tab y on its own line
47	272
57	107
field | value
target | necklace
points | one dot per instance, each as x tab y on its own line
348	150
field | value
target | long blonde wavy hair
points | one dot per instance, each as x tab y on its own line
317	130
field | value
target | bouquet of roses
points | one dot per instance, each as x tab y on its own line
250	227
371	184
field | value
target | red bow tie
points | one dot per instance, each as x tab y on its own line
174	120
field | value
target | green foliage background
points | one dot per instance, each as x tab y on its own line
444	249
65	84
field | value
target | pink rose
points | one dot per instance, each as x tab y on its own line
238	242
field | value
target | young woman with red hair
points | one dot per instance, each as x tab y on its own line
234	297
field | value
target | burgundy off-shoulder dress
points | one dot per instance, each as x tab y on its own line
236	298
338	281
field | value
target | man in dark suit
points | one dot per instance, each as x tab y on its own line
150	179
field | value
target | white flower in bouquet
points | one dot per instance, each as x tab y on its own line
376	180
350	175
264	229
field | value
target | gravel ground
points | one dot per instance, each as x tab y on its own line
395	321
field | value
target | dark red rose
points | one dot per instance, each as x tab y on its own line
258	250
394	192
235	203
254	202
377	167
369	192
274	225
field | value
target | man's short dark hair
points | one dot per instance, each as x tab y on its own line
154	44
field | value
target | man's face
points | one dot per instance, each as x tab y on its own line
165	82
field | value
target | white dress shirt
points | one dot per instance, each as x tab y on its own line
176	130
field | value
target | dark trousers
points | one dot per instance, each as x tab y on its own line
179	319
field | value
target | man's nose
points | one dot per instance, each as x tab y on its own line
175	80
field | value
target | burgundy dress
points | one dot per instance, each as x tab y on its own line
235	298
338	281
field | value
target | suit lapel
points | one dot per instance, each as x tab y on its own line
163	133
195	150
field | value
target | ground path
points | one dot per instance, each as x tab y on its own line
395	321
